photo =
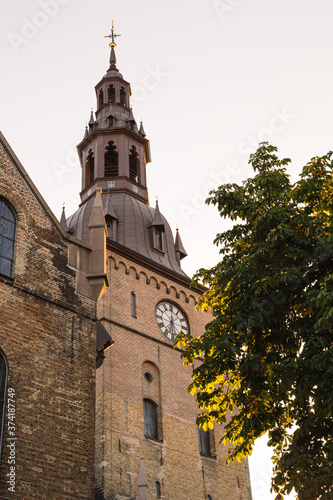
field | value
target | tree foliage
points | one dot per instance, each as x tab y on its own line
267	355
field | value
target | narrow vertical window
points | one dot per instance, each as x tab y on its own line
133	304
110	119
209	497
134	164
150	419
3	386
158	489
158	239
122	96
101	98
109	227
90	168
111	94
111	160
204	442
7	238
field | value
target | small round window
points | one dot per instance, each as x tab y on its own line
148	377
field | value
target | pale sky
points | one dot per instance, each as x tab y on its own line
210	79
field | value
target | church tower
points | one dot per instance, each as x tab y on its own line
147	443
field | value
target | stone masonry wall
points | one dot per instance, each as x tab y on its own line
48	337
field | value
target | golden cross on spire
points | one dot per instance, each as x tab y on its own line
112	36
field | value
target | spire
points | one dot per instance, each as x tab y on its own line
131	120
86	132
113	60
109	130
179	247
91	121
157	220
63	220
112	45
142	130
108	209
143	483
97	213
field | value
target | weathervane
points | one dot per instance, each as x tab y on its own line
112	36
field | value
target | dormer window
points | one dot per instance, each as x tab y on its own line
111	160
110	120
134	164
158	229
158	239
122	96
90	168
101	98
111	227
111	94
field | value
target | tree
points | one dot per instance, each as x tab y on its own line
267	355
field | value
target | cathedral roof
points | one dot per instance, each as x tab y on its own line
134	228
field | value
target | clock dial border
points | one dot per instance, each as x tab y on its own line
171	319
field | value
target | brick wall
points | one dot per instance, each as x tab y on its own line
51	365
175	460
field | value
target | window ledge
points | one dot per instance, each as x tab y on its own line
4	277
214	457
154	439
161	252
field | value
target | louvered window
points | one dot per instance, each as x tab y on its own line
111	160
111	94
122	96
101	98
134	164
90	168
7	238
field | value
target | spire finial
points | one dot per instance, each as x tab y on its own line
113	44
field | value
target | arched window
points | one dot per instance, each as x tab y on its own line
7	238
90	168
150	419
101	98
111	94
110	120
3	387
122	96
134	164
209	497
205	447
111	160
158	489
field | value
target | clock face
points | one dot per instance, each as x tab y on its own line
171	320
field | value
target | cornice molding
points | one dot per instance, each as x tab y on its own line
123	251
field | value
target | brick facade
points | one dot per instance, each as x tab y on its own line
48	338
139	347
